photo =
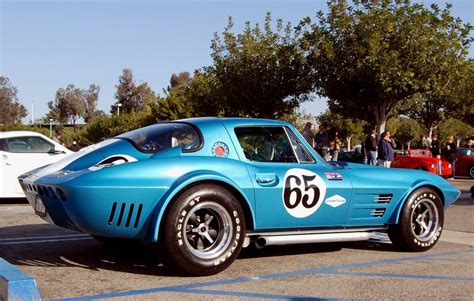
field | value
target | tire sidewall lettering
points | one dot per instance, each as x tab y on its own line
416	200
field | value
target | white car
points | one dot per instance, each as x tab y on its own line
22	151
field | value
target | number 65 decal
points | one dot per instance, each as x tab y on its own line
303	192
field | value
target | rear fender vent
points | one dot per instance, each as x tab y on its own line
378	212
383	198
125	215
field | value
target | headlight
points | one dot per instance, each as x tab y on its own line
432	166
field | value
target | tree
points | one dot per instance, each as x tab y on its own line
92	96
11	109
374	56
456	128
131	97
404	130
259	72
348	129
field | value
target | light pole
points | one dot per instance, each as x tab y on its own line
50	128
118	108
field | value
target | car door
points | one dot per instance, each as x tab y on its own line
23	154
293	187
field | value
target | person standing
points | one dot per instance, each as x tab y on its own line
322	142
449	151
370	147
435	147
385	154
57	136
308	134
422	143
334	144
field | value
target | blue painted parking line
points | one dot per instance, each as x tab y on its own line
16	285
339	269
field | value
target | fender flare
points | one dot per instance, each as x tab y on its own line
394	218
152	233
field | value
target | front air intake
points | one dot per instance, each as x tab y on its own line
125	215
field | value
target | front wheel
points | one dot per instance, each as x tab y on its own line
420	223
204	230
471	171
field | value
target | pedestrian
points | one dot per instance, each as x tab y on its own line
370	148
321	141
470	143
57	136
449	151
308	134
385	151
435	147
334	144
422	143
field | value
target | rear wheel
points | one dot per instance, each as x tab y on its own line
471	171
204	230
420	223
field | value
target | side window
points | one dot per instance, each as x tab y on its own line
3	145
300	150
265	144
28	145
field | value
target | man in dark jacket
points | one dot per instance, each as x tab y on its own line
385	150
370	147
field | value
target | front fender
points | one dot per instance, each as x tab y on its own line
181	184
447	192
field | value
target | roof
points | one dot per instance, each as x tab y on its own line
10	134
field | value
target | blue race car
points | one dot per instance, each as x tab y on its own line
206	187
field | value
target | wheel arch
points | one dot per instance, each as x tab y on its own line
153	231
396	213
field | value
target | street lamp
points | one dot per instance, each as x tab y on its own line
118	108
50	128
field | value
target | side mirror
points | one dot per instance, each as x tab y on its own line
54	151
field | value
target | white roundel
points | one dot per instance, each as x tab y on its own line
303	192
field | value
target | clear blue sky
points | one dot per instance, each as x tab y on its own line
46	45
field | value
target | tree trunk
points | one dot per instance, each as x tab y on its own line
348	140
380	118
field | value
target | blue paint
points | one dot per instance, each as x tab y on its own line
16	285
196	288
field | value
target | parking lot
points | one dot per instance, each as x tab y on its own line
70	265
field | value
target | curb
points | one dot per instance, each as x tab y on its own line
16	285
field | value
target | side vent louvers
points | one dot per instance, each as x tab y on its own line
125	215
379	212
383	198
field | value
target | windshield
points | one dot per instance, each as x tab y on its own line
161	136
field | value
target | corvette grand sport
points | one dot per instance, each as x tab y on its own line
206	187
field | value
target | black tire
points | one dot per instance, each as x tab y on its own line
420	223
470	171
204	230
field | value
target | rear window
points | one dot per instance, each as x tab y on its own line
161	136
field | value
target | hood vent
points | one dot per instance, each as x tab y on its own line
383	198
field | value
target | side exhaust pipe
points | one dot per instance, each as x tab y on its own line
269	240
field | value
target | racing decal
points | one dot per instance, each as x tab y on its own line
220	149
333	176
335	201
303	192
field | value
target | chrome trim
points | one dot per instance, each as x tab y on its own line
263	241
319	231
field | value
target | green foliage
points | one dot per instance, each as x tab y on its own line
131	97
456	128
11	109
256	73
404	130
91	98
374	56
352	130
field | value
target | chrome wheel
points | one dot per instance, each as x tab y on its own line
208	230
425	220
471	172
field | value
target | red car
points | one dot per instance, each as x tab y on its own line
464	165
422	159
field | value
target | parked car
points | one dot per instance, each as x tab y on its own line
21	151
423	160
206	187
351	156
464	165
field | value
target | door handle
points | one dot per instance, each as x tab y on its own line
266	178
